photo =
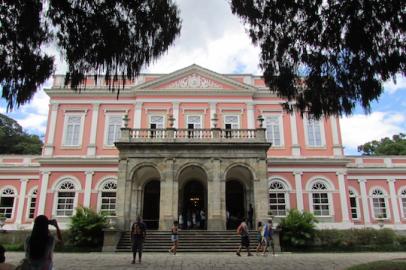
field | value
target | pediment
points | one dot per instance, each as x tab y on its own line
195	77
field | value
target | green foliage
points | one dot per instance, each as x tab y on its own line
297	229
14	247
13	140
381	265
86	229
386	146
327	56
113	38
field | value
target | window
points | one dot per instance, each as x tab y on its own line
380	210
107	198
32	201
231	122
273	129
113	126
402	198
73	130
278	198
314	133
7	201
66	196
320	199
193	122
156	122
354	205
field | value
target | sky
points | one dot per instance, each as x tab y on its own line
214	38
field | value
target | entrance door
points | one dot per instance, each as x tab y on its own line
150	213
235	203
194	200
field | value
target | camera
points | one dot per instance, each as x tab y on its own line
52	222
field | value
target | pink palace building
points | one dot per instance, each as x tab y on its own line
174	144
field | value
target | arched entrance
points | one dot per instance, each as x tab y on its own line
193	197
150	213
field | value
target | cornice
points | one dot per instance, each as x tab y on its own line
78	161
309	161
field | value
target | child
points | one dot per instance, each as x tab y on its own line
174	238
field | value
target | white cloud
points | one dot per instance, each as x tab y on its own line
34	123
391	87
359	128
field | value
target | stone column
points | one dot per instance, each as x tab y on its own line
88	188
299	190
364	199
294	135
166	211
21	199
343	197
261	190
49	145
91	149
43	192
393	199
216	212
121	195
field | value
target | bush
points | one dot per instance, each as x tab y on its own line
297	229
86	228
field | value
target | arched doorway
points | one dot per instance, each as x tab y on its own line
150	213
235	203
193	198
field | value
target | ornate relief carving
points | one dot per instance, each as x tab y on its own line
194	81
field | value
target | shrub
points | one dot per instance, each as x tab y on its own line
297	229
86	229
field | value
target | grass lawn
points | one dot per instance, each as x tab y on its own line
381	265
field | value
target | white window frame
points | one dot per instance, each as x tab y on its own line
285	191
81	128
194	115
306	120
156	114
401	196
29	201
352	193
108	116
56	196
15	196
101	190
238	120
384	196
281	133
329	190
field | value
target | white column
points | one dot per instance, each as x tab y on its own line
88	188
175	110
137	114
250	116
299	190
43	192
294	136
343	196
393	199
49	145
21	199
364	199
337	148
91	149
213	109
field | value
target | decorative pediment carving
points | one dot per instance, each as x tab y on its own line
194	81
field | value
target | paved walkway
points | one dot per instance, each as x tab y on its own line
211	261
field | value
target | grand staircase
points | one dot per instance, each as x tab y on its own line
189	241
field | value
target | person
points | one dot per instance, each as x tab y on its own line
202	219
138	233
193	219
250	216
228	219
3	264
39	246
181	221
259	237
267	238
242	230
174	238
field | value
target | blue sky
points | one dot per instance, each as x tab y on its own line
215	39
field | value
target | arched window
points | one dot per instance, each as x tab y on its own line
278	198
7	201
354	205
32	202
107	197
66	199
379	204
402	199
320	199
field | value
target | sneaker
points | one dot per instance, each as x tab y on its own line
238	253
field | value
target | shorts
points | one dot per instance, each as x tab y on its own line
267	241
174	237
245	241
137	244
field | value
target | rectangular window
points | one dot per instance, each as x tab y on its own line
194	122
320	204
32	207
113	128
277	203
73	130
231	121
6	206
65	203
404	207
156	122
353	206
108	203
379	206
314	133
273	129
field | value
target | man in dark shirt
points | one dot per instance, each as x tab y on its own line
138	233
250	216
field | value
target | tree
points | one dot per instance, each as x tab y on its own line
325	57
13	140
114	38
386	146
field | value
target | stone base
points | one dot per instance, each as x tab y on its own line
165	224
216	224
111	238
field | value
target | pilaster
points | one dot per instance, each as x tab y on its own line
343	197
364	199
299	190
394	201
88	188
216	212
43	192
137	114
213	110
21	200
337	147
250	116
91	149
49	145
294	135
175	112
166	212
